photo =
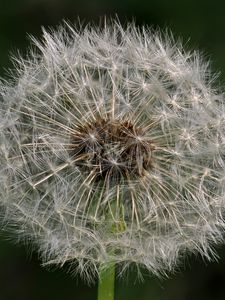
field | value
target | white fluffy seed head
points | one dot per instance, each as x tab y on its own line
112	147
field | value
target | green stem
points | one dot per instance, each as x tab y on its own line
106	282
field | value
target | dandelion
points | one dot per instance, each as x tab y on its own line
112	150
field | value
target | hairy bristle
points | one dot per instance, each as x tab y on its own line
112	146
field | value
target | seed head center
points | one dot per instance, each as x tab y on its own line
112	148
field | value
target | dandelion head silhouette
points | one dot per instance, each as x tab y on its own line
112	149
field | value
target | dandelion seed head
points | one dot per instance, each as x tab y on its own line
112	149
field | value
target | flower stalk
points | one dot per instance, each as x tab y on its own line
106	284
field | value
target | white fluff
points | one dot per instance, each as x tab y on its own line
139	75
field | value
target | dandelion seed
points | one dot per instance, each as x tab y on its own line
112	150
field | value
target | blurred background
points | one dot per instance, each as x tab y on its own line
201	25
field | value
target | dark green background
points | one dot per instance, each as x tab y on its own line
202	24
